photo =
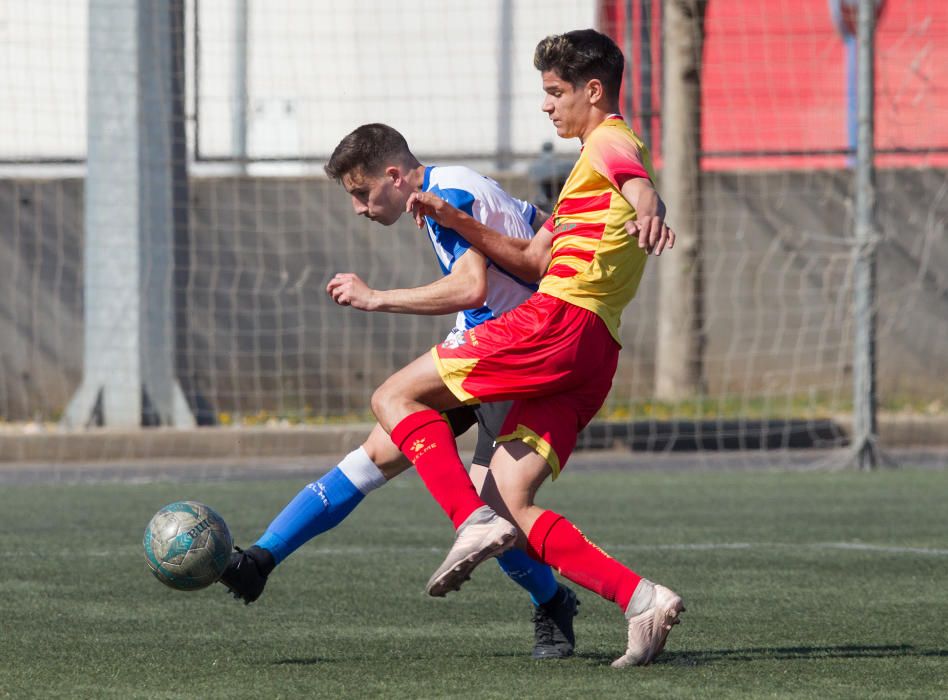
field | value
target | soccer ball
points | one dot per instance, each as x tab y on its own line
187	545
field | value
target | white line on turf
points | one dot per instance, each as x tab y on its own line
692	546
854	546
882	548
361	550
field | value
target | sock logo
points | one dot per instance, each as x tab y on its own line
420	447
320	490
591	543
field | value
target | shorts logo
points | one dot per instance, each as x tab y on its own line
454	340
473	337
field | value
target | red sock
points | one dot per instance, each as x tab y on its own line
426	439
557	542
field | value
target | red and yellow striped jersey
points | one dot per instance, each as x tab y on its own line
595	263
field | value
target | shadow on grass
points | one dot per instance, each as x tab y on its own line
700	657
313	660
710	656
309	661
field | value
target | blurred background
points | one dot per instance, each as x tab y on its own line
166	230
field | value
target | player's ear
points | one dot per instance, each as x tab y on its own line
595	92
394	174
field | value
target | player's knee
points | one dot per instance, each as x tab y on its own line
380	402
390	402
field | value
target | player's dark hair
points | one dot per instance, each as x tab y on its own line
370	148
580	56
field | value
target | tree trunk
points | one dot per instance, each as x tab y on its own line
679	368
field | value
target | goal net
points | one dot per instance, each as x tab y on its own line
269	88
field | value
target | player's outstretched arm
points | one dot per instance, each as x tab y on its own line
465	287
528	259
649	227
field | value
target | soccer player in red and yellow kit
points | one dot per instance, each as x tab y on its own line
554	355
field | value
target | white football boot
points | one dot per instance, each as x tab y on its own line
652	612
483	535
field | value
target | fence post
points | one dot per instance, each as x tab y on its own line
679	364
865	431
131	204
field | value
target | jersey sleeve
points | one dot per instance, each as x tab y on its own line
499	211
450	240
527	211
616	157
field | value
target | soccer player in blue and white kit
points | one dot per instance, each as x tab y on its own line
378	170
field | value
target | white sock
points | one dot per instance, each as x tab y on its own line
361	471
642	598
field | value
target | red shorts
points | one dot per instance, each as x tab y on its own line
554	359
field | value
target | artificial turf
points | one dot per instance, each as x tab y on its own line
797	585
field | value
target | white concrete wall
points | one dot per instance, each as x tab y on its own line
43	78
316	69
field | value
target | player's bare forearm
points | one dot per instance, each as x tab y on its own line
432	299
464	288
526	259
649	227
648	202
513	254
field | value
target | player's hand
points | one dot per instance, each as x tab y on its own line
653	234
422	204
347	289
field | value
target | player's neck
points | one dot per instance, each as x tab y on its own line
416	178
596	116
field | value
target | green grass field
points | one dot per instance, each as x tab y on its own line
797	585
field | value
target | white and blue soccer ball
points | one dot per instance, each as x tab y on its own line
187	545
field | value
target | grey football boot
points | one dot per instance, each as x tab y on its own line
483	535
651	613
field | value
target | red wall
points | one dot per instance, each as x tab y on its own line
775	80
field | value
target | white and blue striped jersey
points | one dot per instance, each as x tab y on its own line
484	200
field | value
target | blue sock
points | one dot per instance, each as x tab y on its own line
320	506
536	578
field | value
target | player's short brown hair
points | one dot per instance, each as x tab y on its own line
580	56
369	149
